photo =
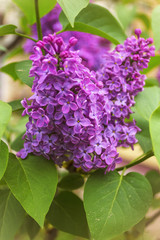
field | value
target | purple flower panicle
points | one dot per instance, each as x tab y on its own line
77	114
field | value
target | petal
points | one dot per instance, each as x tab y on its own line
73	106
65	108
71	122
85	122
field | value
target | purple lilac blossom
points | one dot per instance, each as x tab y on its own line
77	114
91	47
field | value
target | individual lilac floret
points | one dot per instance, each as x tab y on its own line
91	47
75	116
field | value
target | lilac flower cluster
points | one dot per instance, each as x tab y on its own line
77	114
91	47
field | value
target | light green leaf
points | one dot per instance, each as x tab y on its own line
5	114
154	62
7	29
28	8
72	8
96	20
154	127
154	179
10	70
155	19
115	203
33	182
144	18
146	102
11	215
126	13
67	214
22	70
71	181
3	158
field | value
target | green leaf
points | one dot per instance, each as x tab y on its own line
155	19
144	18
33	182
3	158
11	215
154	127
154	62
22	70
154	179
18	143
146	102
115	203
7	29
126	14
96	20
5	114
32	227
67	214
72	8
16	105
71	181
10	70
151	82
28	8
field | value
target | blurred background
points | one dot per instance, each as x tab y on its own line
132	14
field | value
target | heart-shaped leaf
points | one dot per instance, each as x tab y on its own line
67	214
115	203
33	182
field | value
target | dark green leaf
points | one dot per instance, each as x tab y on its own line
115	203
16	105
7	29
67	214
154	127
10	70
72	8
18	143
11	215
96	20
71	181
28	8
32	227
33	182
155	26
154	179
22	70
3	158
154	62
5	114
